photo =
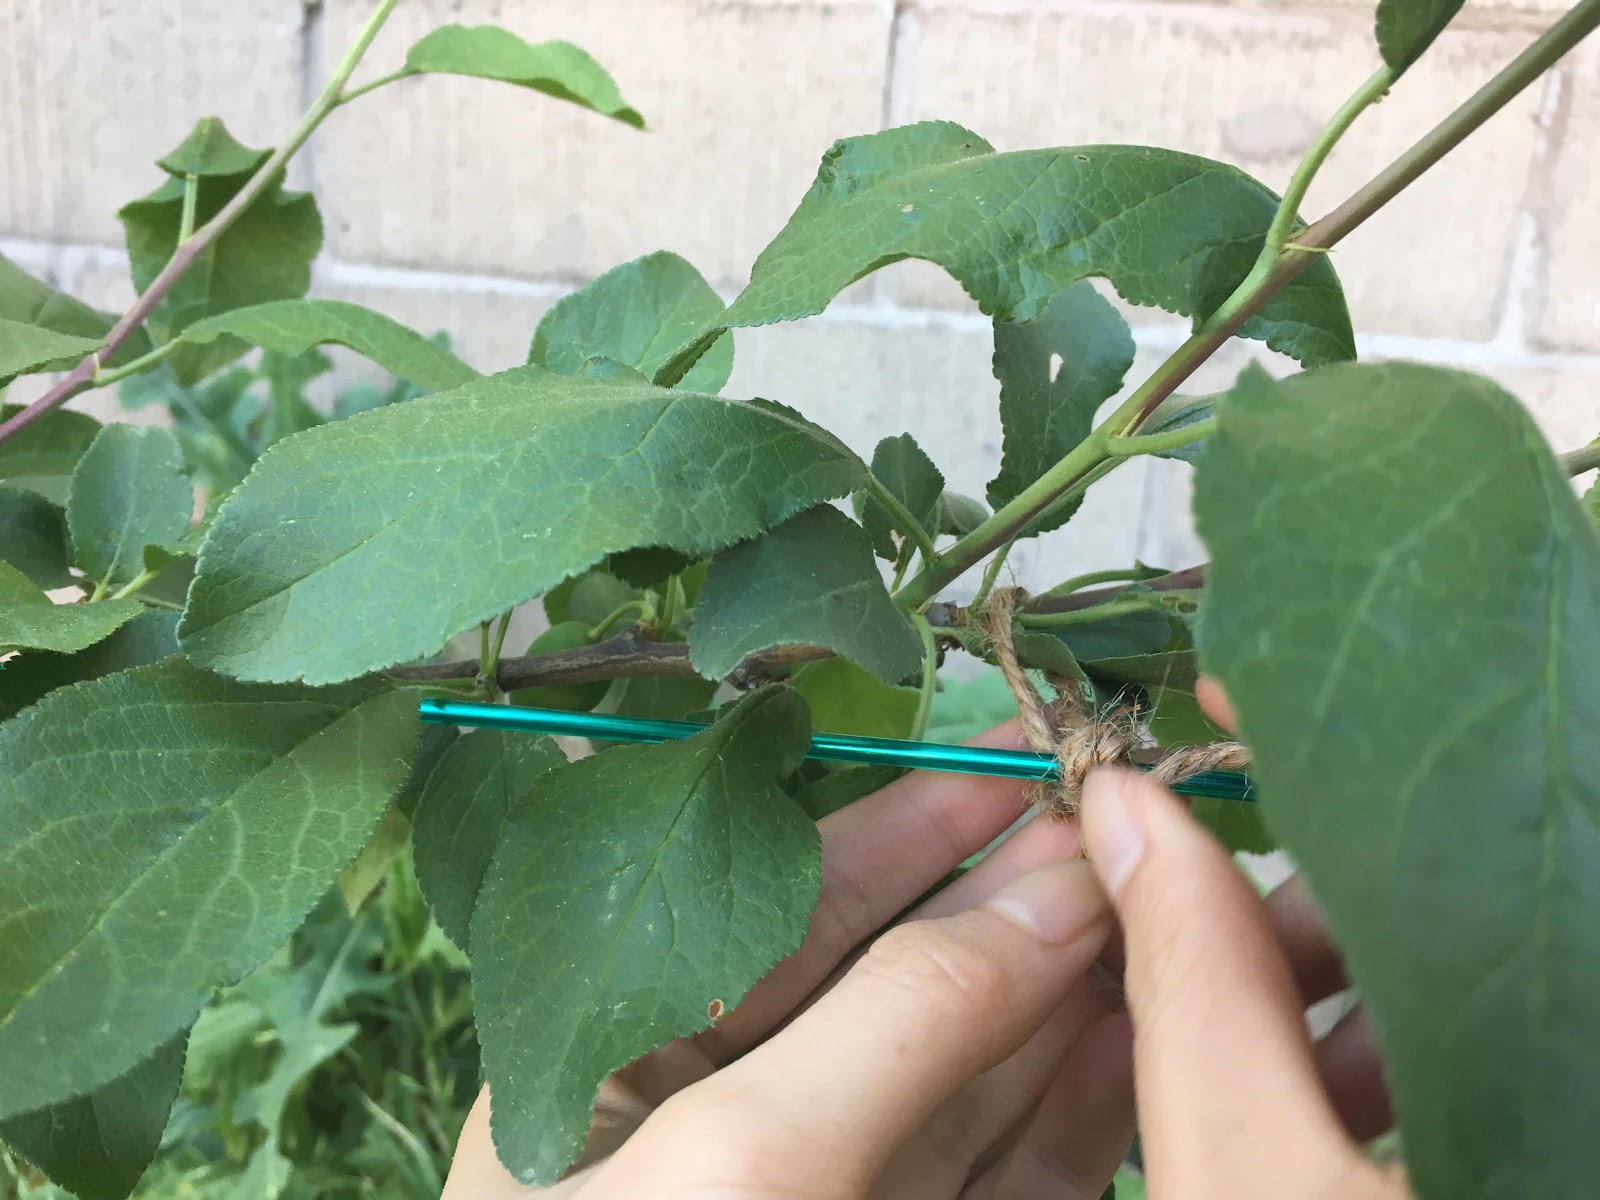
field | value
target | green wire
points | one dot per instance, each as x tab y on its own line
835	747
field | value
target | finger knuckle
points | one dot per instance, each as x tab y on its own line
941	967
712	1142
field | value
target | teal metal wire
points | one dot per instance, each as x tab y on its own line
834	747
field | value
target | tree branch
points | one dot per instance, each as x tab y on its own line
631	653
82	375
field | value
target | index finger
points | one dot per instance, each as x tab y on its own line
878	855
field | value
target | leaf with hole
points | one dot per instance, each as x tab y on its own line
99	1144
30	620
558	69
264	255
1055	372
1167	229
907	474
1411	653
810	581
662	905
234	808
464	807
554	472
292	327
636	314
128	492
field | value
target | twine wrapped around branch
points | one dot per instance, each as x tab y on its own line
1080	740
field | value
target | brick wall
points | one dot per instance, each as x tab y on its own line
469	206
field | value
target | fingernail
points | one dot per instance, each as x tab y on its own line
1057	903
1112	832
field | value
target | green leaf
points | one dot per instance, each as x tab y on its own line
842	787
664	697
33	537
1054	372
131	894
1239	825
1167	229
31	301
810	581
960	515
41	457
1410	649
100	1143
1405	28
128	492
911	478
567	635
1176	413
265	255
552	472
146	637
556	68
843	698
210	151
636	314
1591	501
25	349
30	620
648	566
663	906
590	597
293	327
965	709
463	809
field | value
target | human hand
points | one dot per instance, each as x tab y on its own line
957	1054
962	1055
1234	1099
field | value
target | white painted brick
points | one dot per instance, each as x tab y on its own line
93	91
742	100
1250	87
1571	245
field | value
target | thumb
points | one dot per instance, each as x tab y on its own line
1223	1066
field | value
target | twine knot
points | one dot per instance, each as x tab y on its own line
1079	739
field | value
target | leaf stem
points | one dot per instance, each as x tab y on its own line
990	574
1131	574
1086	616
138	366
930	677
1584	458
602	629
1158	443
133	585
1368	94
191	196
1069	476
81	376
903	520
373	85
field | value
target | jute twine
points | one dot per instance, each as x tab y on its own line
1081	740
